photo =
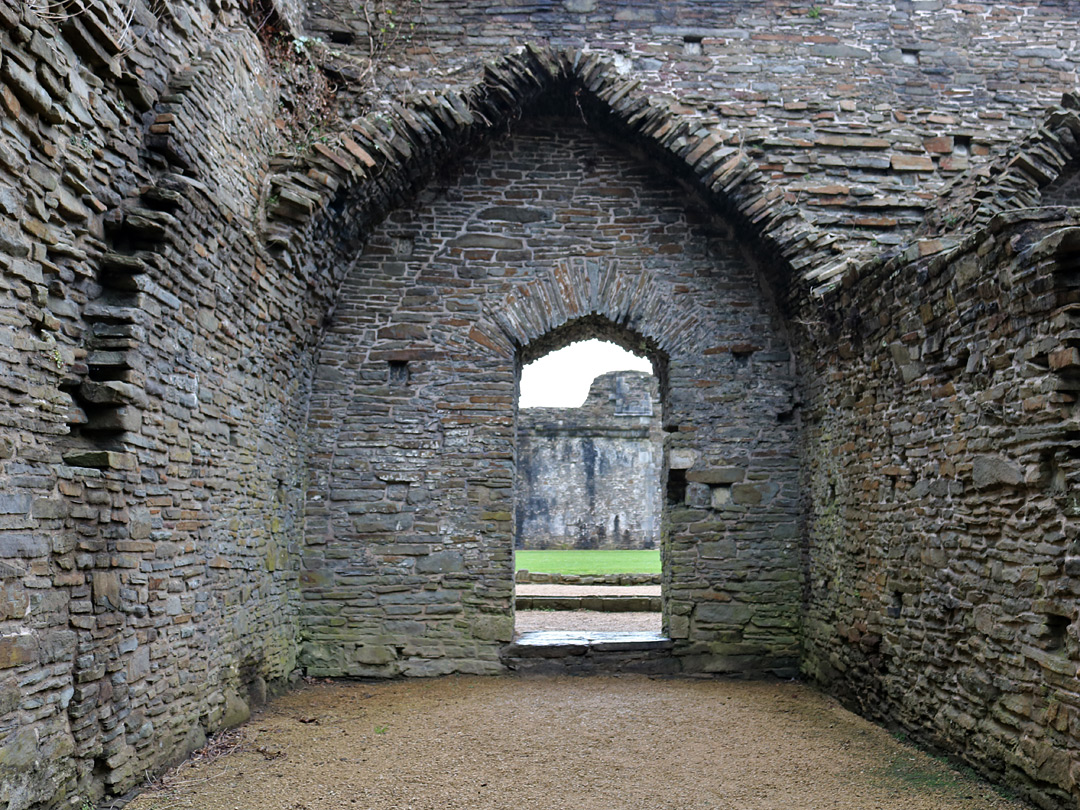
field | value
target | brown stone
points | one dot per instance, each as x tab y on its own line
17	650
912	163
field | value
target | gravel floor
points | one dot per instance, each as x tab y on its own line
598	743
528	620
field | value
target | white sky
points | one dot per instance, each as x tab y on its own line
562	379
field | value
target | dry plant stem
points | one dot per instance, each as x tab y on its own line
58	11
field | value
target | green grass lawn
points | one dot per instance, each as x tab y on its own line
589	562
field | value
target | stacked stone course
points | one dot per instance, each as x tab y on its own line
146	385
942	556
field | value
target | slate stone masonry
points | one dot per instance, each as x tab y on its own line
548	237
257	397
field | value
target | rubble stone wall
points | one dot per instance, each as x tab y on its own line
863	113
941	473
589	477
150	399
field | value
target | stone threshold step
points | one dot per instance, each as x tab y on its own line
606	604
563	644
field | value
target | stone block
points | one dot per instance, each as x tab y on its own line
18	649
48	508
1067	357
106	589
515	213
679	626
10	696
380	522
912	163
990	471
323	656
374	654
840	51
440	562
723	613
236	710
682	459
18	544
15	504
489	627
140	523
716	475
754	494
717	549
19	749
113	392
139	664
485	240
14	600
100	459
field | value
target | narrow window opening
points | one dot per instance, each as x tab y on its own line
1057	631
894	610
676	487
692	45
399	372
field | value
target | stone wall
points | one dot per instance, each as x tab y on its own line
941	468
863	114
546	237
589	477
243	424
149	394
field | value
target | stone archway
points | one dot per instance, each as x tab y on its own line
408	559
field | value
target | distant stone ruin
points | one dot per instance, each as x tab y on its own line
589	477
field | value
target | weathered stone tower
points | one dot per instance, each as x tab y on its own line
268	273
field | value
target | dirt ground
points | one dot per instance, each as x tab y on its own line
598	743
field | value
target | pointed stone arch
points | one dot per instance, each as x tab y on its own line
385	157
1033	173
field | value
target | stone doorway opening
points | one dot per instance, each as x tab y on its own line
588	495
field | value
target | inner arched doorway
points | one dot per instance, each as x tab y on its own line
588	506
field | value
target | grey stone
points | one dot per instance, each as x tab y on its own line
439	562
989	471
723	613
236	710
15	504
840	51
515	213
717	475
